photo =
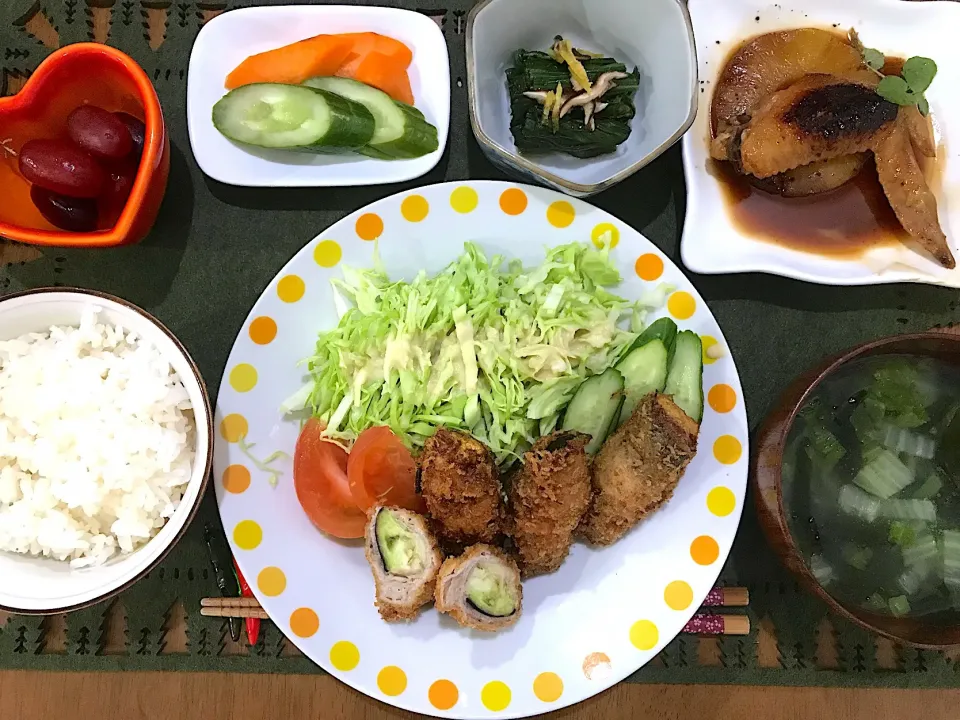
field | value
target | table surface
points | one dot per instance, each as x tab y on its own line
132	696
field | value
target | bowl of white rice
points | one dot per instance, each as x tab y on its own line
105	447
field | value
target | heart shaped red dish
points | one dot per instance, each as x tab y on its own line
84	74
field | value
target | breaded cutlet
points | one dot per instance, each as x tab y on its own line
460	484
548	498
638	468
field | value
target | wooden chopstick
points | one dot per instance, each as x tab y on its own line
230	602
714	624
700	624
228	612
727	597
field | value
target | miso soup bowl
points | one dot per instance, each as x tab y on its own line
766	478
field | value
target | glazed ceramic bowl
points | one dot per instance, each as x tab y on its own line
43	586
70	77
656	36
766	480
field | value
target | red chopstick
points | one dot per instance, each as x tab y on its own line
253	624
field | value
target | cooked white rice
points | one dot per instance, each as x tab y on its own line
96	442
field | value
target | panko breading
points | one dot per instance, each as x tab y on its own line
638	468
548	499
460	483
402	596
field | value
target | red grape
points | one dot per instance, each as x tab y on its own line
67	213
137	130
61	167
116	191
99	132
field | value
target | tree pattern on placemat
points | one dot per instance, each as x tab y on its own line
827	655
20	644
156	624
174	638
52	635
113	639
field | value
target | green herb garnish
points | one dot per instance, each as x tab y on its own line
909	86
873	58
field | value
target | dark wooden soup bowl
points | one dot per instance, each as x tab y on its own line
943	344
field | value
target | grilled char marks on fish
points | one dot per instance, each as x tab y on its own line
818	118
837	112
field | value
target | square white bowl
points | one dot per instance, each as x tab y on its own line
712	243
33	585
653	35
228	39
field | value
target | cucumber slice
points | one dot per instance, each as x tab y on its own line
293	117
685	379
644	371
664	330
401	130
595	407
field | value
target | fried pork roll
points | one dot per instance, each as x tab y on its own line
461	487
548	498
480	589
638	468
405	560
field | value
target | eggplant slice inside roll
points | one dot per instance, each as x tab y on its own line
480	589
405	560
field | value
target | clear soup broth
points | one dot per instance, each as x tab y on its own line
869	485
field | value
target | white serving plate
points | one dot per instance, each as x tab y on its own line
602	615
712	244
228	39
40	585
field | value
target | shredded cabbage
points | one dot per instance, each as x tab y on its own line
485	346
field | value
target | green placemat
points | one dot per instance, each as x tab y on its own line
215	248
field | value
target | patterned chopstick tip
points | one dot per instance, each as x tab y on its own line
708	624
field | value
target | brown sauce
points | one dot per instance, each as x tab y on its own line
844	222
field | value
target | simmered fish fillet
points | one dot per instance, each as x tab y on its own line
818	118
910	197
773	61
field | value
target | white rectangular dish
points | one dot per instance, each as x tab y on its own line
712	243
230	38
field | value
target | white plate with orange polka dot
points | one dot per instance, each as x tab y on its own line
595	621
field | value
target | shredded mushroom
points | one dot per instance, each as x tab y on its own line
557	104
604	84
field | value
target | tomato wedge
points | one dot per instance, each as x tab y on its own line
382	471
320	479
